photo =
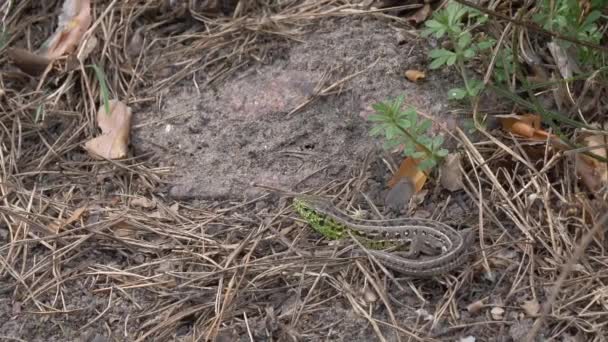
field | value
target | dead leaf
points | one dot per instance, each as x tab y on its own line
566	63
526	125
451	172
124	230
593	172
475	307
421	14
58	224
414	75
497	313
467	339
28	62
136	43
74	21
115	127
90	45
370	296
531	307
143	202
409	169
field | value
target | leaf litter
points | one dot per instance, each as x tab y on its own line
219	267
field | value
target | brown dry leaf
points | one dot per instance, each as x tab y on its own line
159	214
143	202
475	307
409	169
124	230
593	172
57	225
467	339
74	21
526	125
451	172
531	307
497	313
28	62
421	14
414	75
115	127
566	63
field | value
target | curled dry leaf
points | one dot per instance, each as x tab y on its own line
74	21
497	313
370	296
475	307
414	75
566	63
124	230
593	172
143	202
527	125
409	169
115	127
467	339
451	172
421	14
531	307
58	224
28	62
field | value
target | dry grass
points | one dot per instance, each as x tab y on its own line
217	267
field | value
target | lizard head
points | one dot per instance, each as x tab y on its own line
308	203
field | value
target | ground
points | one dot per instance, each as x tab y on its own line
216	253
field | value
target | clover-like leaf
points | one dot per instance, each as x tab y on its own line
457	94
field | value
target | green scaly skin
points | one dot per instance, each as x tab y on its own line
334	230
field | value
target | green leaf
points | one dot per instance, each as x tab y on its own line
418	155
424	126
409	150
437	141
464	40
440	33
424	140
377	118
440	53
469	53
404	123
457	94
485	44
379	107
590	20
451	60
438	62
432	23
105	94
396	105
376	130
427	164
442	152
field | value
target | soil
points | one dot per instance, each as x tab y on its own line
243	131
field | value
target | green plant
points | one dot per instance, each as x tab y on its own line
101	77
450	22
568	18
404	128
